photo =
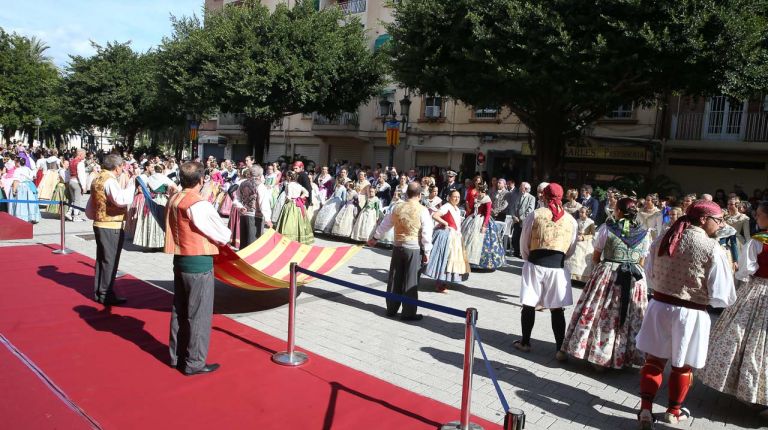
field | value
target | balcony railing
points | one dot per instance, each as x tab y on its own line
352	6
231	120
344	120
736	125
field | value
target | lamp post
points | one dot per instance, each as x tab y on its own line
38	122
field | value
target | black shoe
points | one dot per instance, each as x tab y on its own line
391	314
114	301
208	368
417	317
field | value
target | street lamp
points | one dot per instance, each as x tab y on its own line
38	122
405	110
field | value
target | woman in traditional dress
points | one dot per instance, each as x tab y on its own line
580	263
383	190
327	214
448	259
432	202
234	212
571	205
325	184
650	216
150	224
472	196
611	198
674	213
401	189
50	176
293	223
482	237
23	188
611	308
687	201
726	237
137	205
737	220
738	347
368	218
345	220
362	184
60	192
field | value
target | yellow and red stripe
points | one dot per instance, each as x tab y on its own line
265	264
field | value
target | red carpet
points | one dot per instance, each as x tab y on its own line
12	228
113	366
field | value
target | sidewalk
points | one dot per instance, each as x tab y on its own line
426	357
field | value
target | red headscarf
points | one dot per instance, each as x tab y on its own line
554	195
698	209
298	164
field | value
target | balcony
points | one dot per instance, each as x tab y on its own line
231	121
342	121
720	126
352	6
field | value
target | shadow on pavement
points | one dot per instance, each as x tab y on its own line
231	300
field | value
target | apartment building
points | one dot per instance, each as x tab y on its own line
440	131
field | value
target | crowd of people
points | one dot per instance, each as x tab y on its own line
651	268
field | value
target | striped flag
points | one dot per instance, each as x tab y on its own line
264	265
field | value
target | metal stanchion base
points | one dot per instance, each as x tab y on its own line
286	359
63	251
456	425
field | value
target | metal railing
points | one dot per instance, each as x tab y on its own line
352	6
730	126
343	119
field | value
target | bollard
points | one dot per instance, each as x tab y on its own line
466	388
514	420
63	249
291	357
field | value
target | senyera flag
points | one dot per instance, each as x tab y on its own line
264	265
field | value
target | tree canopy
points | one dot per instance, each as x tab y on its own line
246	59
559	65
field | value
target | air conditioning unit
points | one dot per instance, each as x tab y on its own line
432	112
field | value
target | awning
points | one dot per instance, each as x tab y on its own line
380	41
216	139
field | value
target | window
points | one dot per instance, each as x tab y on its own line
623	111
433	107
486	113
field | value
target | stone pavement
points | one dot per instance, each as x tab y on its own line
426	357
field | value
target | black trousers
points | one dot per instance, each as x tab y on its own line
517	229
404	271
109	246
191	317
251	228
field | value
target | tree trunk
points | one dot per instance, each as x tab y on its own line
257	132
549	145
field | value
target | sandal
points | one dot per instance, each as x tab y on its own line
646	420
671	418
518	345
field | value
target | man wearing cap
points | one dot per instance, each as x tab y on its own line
303	180
450	186
548	237
413	242
687	271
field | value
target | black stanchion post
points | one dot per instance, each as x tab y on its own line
514	420
291	357
63	250
466	390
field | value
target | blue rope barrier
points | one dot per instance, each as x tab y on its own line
41	202
387	295
490	371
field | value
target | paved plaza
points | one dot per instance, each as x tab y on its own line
426	357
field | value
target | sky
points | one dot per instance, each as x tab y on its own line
69	26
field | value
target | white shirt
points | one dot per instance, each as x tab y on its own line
120	197
748	259
23	173
525	235
444	209
425	236
207	220
719	280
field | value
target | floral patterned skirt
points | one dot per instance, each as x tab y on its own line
737	360
484	251
596	333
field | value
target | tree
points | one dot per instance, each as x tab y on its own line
245	59
559	65
29	87
115	88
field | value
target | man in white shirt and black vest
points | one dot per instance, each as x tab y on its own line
194	231
107	208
